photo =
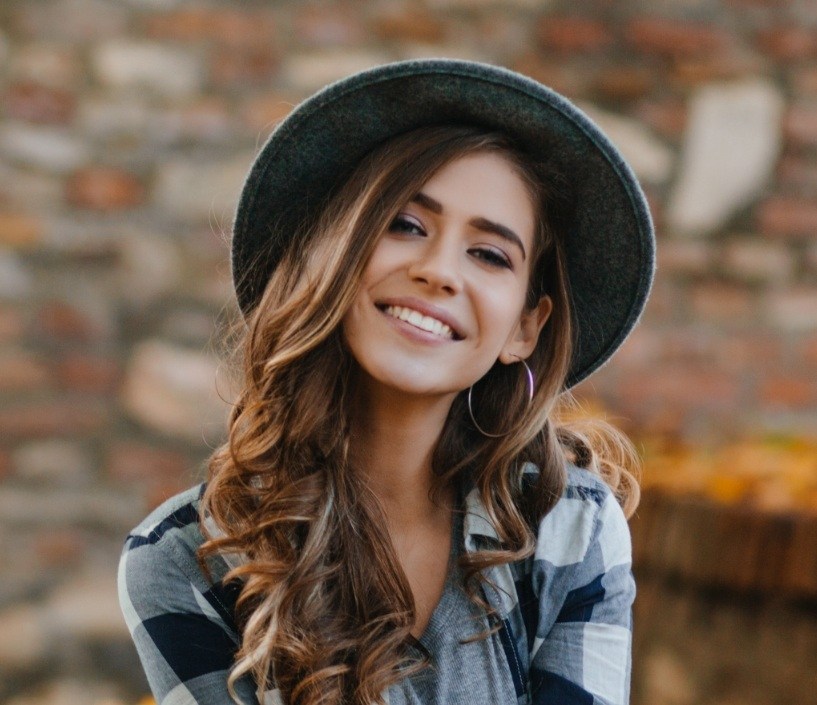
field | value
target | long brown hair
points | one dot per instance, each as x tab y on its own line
325	608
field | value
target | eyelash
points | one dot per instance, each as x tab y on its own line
407	226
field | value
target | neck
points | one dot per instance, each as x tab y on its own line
393	439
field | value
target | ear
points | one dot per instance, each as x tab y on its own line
523	338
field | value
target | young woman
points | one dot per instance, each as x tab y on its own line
428	255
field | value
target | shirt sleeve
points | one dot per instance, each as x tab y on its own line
185	645
581	654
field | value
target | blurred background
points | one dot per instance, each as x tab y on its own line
126	128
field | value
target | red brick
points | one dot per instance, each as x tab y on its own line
667	302
792	309
573	81
11	325
754	260
798	173
232	27
41	104
22	370
667	116
411	25
59	549
262	113
58	320
800	124
811	258
624	83
253	65
789	391
206	119
807	351
787	217
757	3
742	351
689	72
53	418
573	35
158	491
19	230
722	303
686	256
328	25
668	38
643	347
687	386
130	461
788	43
88	373
804	80
104	189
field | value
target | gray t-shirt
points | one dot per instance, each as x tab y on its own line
459	673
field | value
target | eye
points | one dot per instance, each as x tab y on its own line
405	224
492	257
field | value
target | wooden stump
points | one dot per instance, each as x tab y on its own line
734	547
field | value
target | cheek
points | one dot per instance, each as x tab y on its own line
501	310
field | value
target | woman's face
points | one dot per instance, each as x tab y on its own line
442	296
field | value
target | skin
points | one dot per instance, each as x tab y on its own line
444	249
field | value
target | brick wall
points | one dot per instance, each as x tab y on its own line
125	132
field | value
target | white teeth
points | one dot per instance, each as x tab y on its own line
417	319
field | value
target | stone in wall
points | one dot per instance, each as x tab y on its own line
169	71
55	462
195	191
4	49
47	63
484	4
758	261
22	372
98	509
36	191
792	310
72	20
731	145
30	643
103	189
86	608
70	691
649	157
173	390
51	149
309	71
15	278
150	266
104	118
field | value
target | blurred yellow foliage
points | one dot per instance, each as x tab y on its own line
774	474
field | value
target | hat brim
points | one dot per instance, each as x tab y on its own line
609	244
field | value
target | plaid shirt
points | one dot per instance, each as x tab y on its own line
566	611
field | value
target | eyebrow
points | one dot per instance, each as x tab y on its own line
480	223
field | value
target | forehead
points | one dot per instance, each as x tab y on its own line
485	185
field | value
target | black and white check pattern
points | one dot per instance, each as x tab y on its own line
566	611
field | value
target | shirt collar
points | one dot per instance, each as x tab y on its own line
477	525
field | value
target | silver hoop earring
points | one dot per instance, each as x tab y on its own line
530	398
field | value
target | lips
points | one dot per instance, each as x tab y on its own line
424	316
418	320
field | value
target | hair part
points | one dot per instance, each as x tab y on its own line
325	608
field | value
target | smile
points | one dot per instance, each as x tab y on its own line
418	320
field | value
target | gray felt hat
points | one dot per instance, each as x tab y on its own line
609	240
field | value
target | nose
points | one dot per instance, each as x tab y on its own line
438	266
